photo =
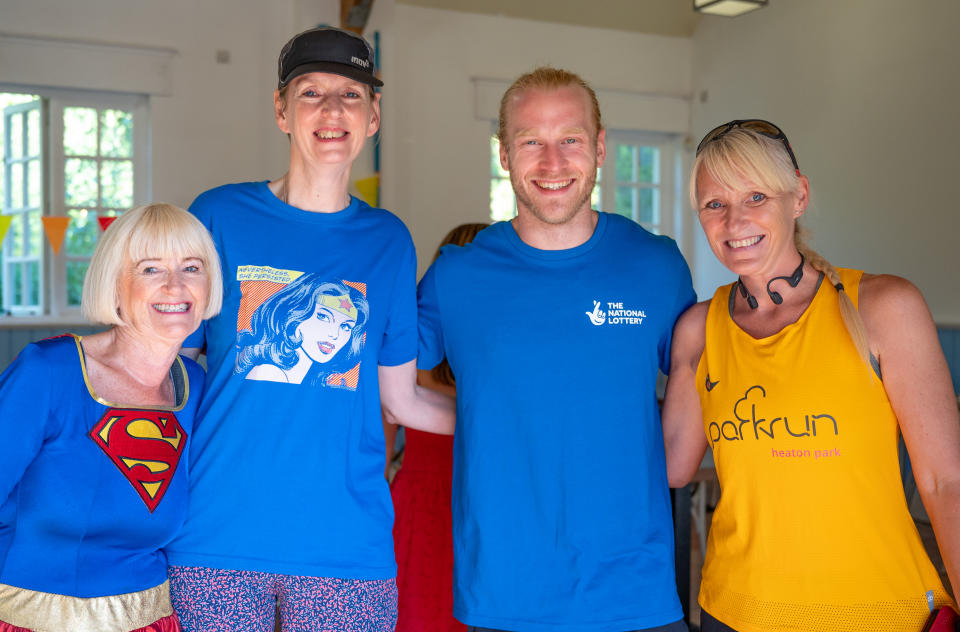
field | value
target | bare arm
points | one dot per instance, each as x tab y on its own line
407	403
683	434
390	436
915	375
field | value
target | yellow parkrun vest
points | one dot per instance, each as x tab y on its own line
812	531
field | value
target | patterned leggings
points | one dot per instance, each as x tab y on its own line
209	600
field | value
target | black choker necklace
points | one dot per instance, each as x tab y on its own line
793	280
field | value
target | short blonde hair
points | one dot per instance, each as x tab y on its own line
546	78
742	155
148	231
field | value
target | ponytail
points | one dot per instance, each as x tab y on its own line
851	316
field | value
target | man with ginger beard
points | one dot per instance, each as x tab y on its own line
555	324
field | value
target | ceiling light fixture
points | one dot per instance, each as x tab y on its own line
727	8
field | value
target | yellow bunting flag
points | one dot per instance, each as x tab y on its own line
369	189
55	228
4	225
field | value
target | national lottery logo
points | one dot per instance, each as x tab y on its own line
614	313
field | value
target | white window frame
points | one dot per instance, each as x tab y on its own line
54	307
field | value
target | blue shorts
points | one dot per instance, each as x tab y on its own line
211	599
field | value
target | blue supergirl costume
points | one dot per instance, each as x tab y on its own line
90	490
288	456
561	511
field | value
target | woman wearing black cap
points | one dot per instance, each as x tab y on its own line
288	505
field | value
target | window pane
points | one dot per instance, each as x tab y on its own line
649	211
80	131
16	292
16	185
81	182
116	182
34	192
33	282
16	135
33	132
36	234
502	203
116	134
75	273
626	201
649	165
15	236
625	159
496	170
82	233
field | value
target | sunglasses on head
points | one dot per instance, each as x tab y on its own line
764	128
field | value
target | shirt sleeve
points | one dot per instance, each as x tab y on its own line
431	351
684	297
400	334
25	392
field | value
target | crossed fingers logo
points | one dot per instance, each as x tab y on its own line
146	447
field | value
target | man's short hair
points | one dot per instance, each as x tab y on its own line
546	78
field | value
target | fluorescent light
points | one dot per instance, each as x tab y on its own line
727	8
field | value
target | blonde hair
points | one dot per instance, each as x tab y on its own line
148	231
459	236
742	154
546	78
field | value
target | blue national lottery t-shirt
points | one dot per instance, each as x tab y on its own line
561	511
288	454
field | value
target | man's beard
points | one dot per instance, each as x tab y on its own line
540	212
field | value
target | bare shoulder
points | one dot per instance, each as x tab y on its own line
689	334
892	306
693	321
889	296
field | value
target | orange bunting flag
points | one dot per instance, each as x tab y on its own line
105	221
369	189
55	228
4	225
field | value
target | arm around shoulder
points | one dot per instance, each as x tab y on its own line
916	378
683	435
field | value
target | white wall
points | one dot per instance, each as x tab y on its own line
867	92
216	126
435	150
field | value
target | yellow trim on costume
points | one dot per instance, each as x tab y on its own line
86	380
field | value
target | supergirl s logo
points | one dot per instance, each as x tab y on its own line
145	445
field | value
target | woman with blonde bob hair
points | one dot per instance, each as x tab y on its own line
92	478
801	377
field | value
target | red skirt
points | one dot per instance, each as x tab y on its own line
166	624
423	536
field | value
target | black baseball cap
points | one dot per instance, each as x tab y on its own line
327	49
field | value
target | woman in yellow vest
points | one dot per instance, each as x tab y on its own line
800	377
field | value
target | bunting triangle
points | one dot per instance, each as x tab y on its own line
56	229
105	221
369	189
4	225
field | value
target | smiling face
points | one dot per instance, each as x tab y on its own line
164	297
328	117
552	151
750	228
329	329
